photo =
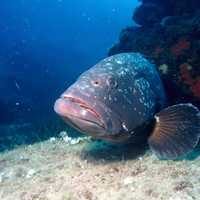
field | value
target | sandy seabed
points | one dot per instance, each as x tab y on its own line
92	170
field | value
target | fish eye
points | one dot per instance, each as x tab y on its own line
111	82
96	83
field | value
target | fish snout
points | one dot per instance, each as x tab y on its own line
80	114
60	107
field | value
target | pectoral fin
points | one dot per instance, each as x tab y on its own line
176	131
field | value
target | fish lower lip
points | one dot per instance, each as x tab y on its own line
89	121
86	107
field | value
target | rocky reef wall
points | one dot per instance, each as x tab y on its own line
168	34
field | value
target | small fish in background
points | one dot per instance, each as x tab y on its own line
122	99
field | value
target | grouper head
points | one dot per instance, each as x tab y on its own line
106	101
84	105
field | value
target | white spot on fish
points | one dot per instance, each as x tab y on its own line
120	90
110	68
134	91
124	126
122	73
132	132
108	64
119	62
87	94
83	112
126	70
157	119
140	99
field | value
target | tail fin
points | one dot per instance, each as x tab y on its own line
176	132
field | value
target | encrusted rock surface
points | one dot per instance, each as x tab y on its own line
88	170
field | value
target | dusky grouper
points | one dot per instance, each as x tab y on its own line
122	99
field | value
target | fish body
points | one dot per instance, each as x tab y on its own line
122	99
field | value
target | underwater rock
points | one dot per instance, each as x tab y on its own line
96	179
174	46
128	180
178	7
69	140
148	14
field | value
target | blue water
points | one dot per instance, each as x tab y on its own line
46	44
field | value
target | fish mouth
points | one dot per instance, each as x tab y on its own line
80	114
